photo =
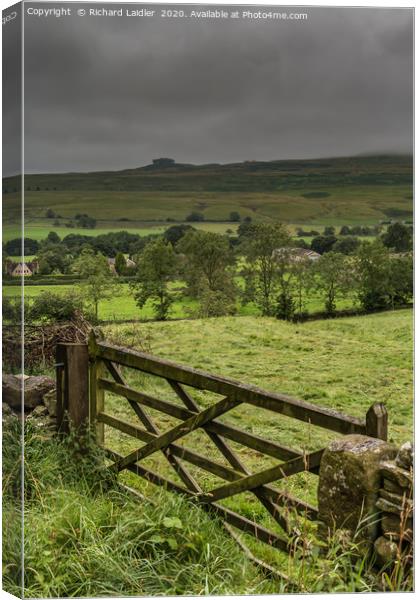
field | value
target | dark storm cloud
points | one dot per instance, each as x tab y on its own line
109	93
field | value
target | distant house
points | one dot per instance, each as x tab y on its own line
296	254
21	269
130	264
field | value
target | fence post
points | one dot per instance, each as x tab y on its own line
72	387
377	421
96	401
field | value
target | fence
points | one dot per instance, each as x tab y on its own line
86	374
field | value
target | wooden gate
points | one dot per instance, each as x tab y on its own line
105	375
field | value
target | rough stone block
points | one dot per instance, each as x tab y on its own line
399	476
395	529
405	456
349	482
386	551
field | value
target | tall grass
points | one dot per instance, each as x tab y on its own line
85	536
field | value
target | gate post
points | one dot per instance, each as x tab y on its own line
72	387
96	395
377	421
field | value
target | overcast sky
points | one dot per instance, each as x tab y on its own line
111	93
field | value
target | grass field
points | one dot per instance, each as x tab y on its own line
123	307
344	205
38	229
344	364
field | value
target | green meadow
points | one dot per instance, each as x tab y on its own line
344	364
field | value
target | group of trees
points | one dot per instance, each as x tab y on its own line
270	274
263	266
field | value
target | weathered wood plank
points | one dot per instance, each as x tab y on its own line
267	476
377	421
179	431
182	472
236	390
246	525
228	431
231	457
227	473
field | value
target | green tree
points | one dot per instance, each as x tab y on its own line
261	250
323	244
234	216
120	263
398	237
195	217
347	245
97	281
333	278
157	267
208	269
401	280
373	266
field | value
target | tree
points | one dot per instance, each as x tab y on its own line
347	245
260	252
345	230
53	257
322	244
53	237
398	237
176	233
373	274
120	263
401	280
329	230
157	267
50	307
195	217
245	228
85	221
234	216
14	247
97	282
50	214
208	268
333	278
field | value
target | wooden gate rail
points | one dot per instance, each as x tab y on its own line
105	376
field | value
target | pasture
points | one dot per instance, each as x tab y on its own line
344	364
122	305
366	205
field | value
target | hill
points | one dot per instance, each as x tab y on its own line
362	190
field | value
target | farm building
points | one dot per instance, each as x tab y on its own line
130	264
296	254
19	269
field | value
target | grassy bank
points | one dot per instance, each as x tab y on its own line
84	536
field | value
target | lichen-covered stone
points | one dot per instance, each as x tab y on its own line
396	474
405	456
390	486
34	388
402	502
50	401
386	551
395	529
349	481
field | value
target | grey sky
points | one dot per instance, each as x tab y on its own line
110	93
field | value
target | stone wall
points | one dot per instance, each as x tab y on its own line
366	492
395	504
